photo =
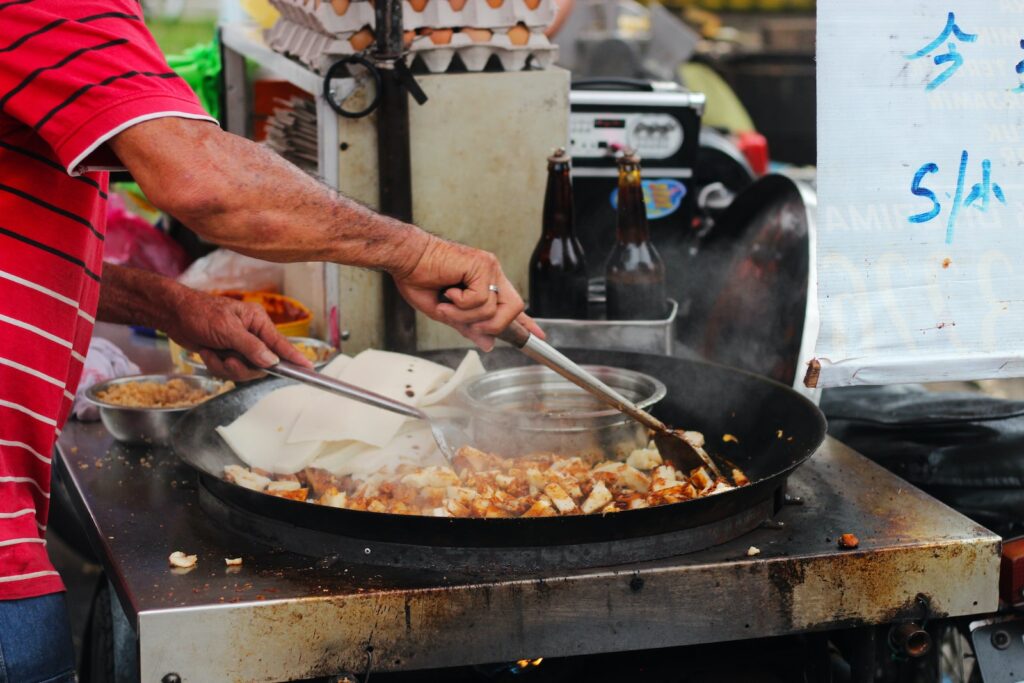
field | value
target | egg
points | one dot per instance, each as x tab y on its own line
532	4
417	5
441	36
457	5
518	34
478	35
361	39
340	6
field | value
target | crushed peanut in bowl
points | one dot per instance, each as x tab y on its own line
174	393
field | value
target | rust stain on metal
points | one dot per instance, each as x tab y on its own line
813	373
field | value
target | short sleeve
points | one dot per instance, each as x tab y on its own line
78	73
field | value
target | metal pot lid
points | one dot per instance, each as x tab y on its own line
751	280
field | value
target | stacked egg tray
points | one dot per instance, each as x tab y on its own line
317	32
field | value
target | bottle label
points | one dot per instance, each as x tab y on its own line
661	197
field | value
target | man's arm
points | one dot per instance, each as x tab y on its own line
197	321
242	196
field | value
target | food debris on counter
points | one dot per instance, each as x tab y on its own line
848	542
753	550
729	438
233	561
181	560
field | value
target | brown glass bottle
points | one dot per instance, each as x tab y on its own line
635	274
558	272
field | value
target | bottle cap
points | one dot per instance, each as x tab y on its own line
629	156
559	156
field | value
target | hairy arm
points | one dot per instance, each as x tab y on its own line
242	196
197	321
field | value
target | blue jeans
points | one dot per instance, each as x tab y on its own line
35	641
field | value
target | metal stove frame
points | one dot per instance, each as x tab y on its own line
282	616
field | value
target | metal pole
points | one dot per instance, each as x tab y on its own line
394	164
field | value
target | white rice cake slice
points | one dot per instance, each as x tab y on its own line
395	375
470	367
259	437
336	366
414	444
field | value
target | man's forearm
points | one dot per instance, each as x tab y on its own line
242	196
136	297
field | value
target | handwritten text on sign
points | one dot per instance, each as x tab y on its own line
921	190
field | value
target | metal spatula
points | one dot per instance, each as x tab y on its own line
450	437
674	449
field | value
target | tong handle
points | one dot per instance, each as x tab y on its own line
321	381
516	335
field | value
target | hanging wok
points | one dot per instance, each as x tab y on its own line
709	398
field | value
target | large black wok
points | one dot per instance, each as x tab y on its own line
710	398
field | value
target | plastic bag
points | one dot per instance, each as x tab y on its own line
131	241
103	361
228	270
200	67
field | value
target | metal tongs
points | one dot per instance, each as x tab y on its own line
674	449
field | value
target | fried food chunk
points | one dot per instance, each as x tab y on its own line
598	498
562	500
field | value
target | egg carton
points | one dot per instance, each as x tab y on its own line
475	55
324	16
304	44
490	14
344	16
318	51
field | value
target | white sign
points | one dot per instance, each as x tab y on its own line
920	259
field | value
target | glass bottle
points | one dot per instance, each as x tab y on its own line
635	274
558	271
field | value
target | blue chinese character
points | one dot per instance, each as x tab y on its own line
980	196
1020	72
951	30
985	189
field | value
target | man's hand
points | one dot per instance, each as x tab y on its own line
218	327
466	277
212	325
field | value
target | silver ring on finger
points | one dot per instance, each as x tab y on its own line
493	288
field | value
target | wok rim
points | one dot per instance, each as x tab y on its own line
382	522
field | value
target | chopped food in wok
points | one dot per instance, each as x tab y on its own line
300	443
488	486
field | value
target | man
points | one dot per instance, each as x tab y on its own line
83	88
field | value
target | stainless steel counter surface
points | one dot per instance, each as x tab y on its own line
282	616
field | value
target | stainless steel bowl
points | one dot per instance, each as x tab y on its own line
324	351
532	409
144	426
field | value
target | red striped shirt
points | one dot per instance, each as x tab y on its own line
72	75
